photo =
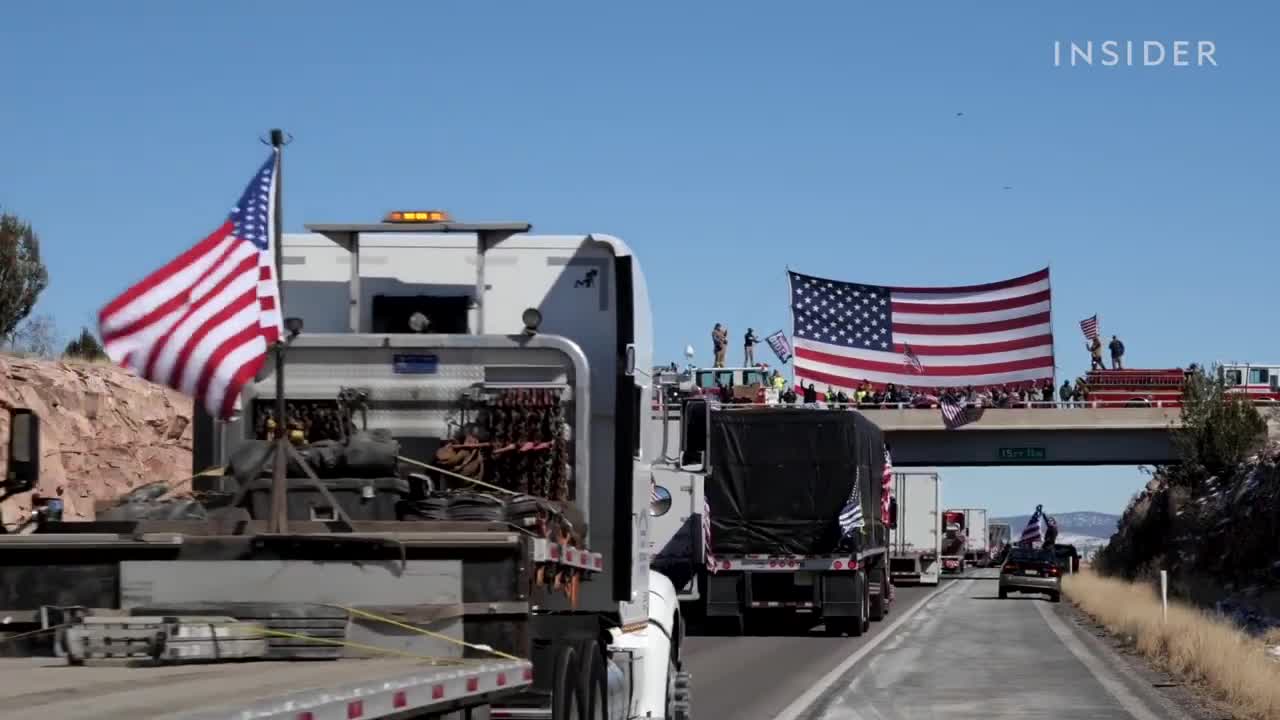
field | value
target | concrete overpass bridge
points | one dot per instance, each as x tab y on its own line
1088	433
1083	435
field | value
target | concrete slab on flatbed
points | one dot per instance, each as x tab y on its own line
49	688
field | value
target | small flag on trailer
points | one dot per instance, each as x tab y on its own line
851	516
886	487
1089	326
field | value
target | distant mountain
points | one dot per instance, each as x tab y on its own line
1087	524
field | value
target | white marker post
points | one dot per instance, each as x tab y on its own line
1164	594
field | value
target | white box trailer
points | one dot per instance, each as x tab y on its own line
915	546
977	551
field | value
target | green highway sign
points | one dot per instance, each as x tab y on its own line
1024	453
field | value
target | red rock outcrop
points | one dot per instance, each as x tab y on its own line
104	431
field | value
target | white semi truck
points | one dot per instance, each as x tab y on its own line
977	544
450	340
915	550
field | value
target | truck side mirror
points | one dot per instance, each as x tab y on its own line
24	451
630	360
893	513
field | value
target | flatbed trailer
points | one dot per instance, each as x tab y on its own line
373	556
319	690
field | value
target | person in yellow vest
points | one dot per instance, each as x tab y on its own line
779	382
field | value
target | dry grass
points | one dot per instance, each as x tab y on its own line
1192	645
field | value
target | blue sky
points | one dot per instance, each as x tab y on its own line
724	141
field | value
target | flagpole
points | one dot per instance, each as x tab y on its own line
279	485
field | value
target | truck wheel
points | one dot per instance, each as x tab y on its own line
678	706
566	692
592	683
865	615
880	601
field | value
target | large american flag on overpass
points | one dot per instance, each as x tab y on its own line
982	335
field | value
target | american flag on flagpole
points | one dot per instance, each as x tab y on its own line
203	323
1031	533
981	335
1089	326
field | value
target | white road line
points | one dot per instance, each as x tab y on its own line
802	704
1131	703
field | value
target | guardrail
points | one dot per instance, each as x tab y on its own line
1018	405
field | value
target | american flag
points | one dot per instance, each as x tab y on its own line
910	360
957	413
1031	533
1089	326
202	324
979	335
708	557
851	516
886	487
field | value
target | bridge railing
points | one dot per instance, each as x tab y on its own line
674	410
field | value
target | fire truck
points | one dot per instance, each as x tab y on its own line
1143	387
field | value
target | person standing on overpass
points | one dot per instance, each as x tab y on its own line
749	348
1117	353
1095	351
719	338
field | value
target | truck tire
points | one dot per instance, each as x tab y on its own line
593	685
865	616
877	612
566	692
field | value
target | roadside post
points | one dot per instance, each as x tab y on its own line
1164	594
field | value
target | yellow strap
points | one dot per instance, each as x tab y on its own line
428	633
362	646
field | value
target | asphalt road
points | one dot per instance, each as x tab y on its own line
967	654
756	677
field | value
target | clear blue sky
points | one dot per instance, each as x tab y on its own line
722	140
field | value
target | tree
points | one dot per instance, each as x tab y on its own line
36	336
1219	429
85	347
22	274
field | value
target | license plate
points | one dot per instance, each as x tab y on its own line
1031	572
415	364
804	578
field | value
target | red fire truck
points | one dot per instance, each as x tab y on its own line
1142	387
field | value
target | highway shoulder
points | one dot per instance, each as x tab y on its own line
1169	697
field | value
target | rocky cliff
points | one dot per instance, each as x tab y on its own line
104	431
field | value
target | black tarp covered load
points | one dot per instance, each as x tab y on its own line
780	477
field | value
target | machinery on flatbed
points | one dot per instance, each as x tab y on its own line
464	516
747	525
